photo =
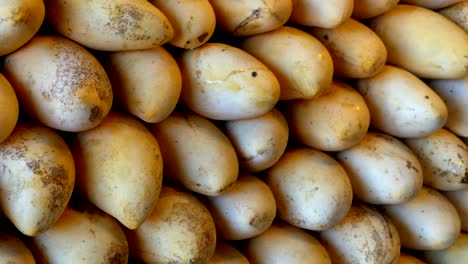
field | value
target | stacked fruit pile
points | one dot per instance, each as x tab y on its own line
219	131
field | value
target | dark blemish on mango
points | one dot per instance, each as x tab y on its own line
95	113
198	74
254	74
325	37
256	13
464	180
260	221
191	122
254	221
20	16
77	70
221	190
125	22
55	179
132	12
247	158
388	227
116	254
202	37
56	175
410	165
441	174
261	151
33	165
11	150
45	95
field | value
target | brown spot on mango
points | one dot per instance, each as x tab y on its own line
202	37
75	73
116	254
94	114
20	16
56	175
410	165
